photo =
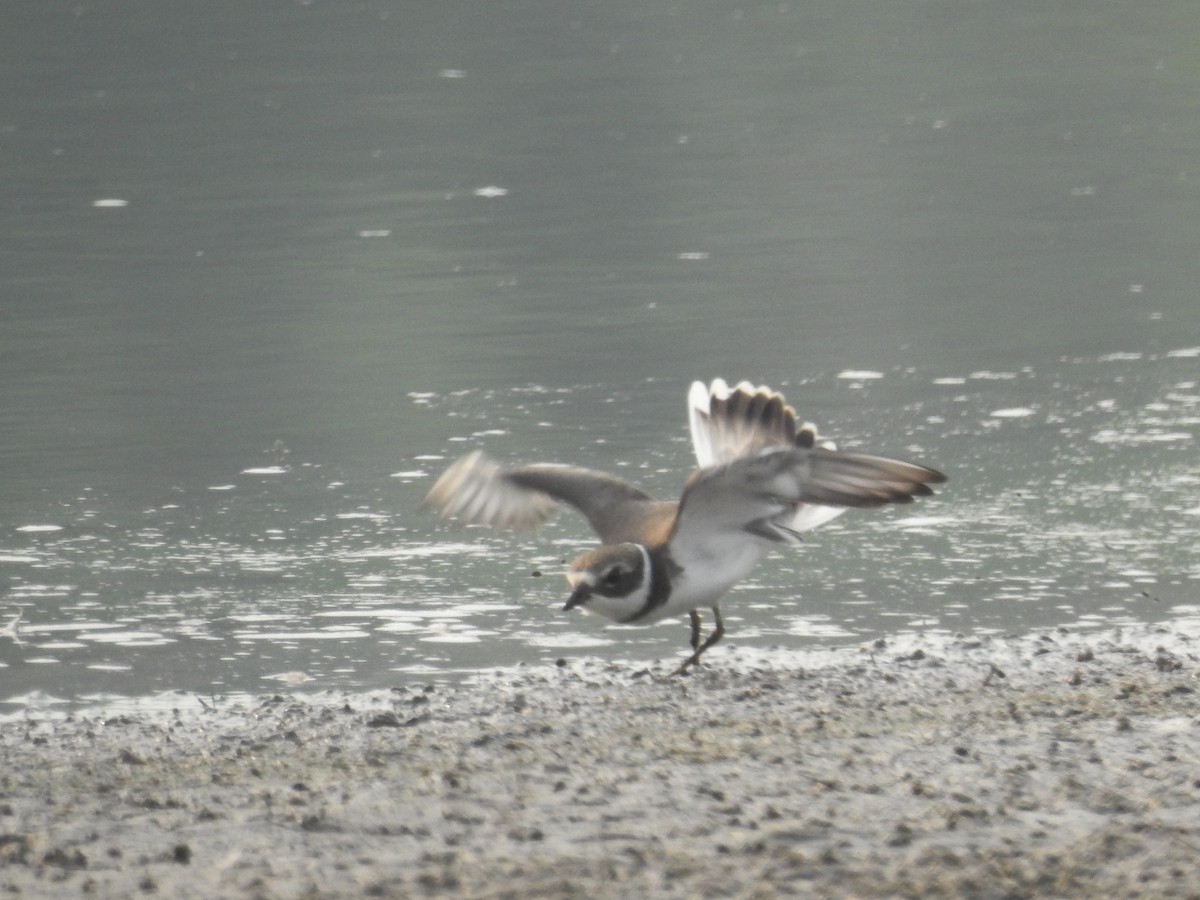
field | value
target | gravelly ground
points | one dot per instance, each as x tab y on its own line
1055	764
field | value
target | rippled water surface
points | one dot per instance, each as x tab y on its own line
1074	499
267	268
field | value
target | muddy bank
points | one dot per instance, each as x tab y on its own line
1055	764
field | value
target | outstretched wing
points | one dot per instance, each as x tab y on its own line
757	494
477	489
728	424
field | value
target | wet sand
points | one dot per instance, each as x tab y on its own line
1055	764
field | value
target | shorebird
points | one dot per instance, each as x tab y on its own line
763	478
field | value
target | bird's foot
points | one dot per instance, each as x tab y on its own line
698	648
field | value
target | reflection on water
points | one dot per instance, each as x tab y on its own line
1073	499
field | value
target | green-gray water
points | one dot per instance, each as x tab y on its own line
375	235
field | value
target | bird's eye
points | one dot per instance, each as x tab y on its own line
612	576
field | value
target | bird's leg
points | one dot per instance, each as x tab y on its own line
695	618
698	649
717	633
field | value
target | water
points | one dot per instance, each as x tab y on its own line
268	268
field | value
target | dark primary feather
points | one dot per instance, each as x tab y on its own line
862	480
745	420
748	419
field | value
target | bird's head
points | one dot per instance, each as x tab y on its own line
613	580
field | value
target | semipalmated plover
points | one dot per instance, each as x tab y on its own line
763	479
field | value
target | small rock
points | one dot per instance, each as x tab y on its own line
64	859
1166	662
384	720
13	848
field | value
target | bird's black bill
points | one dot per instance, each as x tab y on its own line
578	597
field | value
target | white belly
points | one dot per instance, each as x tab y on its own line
708	573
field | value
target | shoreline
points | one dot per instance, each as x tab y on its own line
1062	763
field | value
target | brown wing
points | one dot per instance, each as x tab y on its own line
728	423
478	489
759	493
